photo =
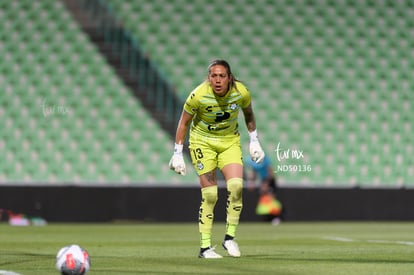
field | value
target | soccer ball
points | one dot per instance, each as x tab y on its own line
73	260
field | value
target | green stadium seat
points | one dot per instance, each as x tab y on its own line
94	141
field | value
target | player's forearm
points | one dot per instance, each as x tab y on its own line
251	125
249	118
181	133
182	128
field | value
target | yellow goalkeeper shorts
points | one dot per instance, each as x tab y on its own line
208	153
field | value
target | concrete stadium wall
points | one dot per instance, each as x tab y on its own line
176	204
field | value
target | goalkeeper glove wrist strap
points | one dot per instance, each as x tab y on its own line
253	136
178	149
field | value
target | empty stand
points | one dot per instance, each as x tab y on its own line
331	78
65	115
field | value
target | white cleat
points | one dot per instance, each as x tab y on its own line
210	254
232	248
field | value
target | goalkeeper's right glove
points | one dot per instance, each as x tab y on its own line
256	152
177	160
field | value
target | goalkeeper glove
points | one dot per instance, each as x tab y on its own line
177	160
256	152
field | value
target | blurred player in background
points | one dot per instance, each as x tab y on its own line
211	110
268	205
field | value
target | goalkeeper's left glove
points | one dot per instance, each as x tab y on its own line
256	152
177	160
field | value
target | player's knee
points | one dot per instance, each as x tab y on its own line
209	194
235	188
211	198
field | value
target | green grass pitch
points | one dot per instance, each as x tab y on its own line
169	248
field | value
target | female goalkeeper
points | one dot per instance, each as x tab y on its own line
212	110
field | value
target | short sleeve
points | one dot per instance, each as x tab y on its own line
191	103
246	97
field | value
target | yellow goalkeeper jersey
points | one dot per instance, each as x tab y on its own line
214	115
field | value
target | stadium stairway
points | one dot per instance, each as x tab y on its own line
129	62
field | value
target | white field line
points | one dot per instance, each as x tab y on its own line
5	272
391	242
341	239
338	239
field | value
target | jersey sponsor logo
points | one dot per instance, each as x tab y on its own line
222	116
216	128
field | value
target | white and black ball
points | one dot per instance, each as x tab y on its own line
73	260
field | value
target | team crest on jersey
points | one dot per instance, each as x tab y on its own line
233	106
200	166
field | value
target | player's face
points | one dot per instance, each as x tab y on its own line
219	79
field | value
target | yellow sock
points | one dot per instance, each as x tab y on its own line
205	240
231	230
234	204
206	214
